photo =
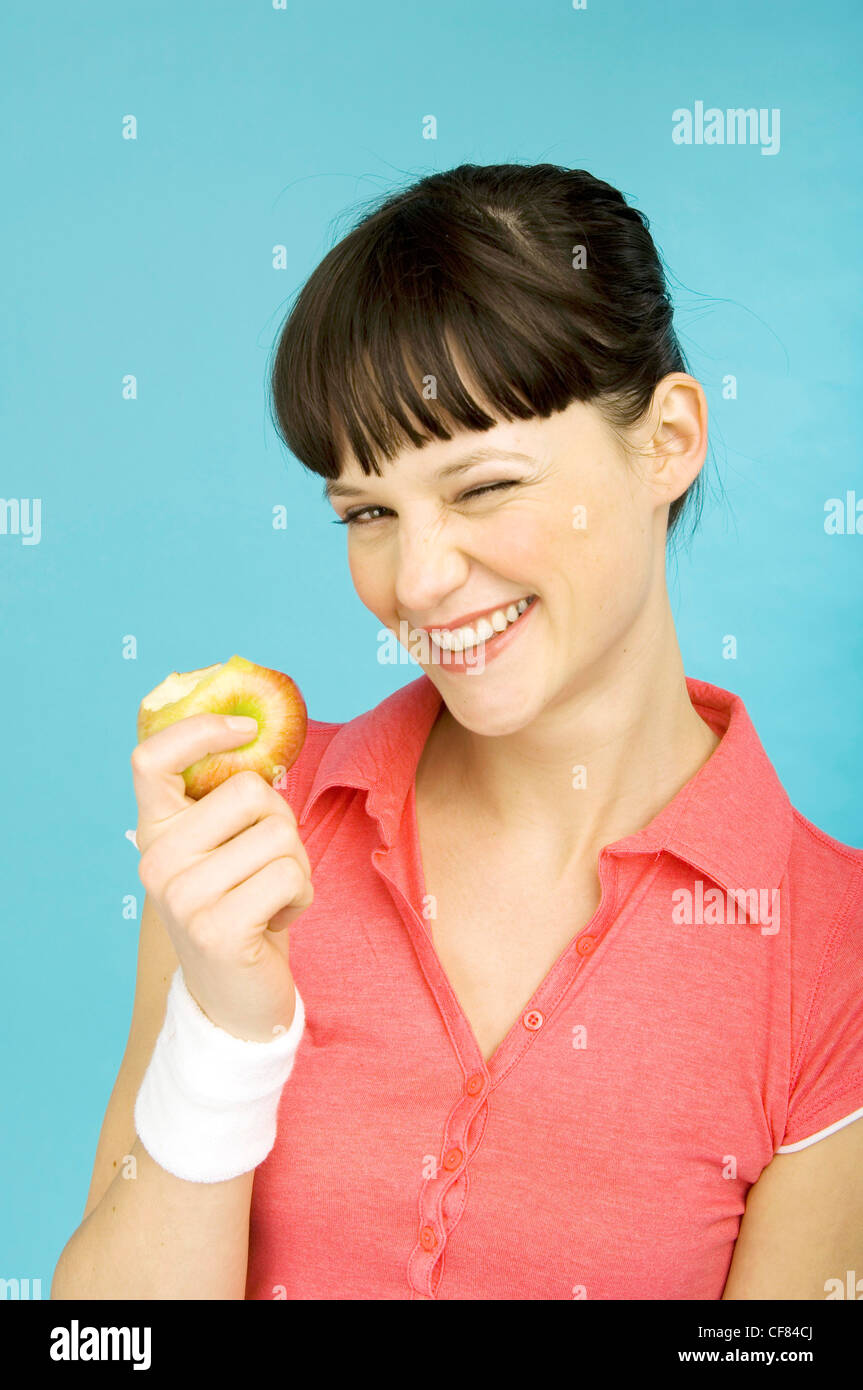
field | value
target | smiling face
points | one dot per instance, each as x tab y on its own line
570	521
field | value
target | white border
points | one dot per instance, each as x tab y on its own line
822	1133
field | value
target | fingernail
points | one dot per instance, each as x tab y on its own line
242	723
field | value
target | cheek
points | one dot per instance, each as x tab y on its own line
369	579
523	545
605	527
607	566
553	542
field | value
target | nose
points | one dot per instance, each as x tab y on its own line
430	565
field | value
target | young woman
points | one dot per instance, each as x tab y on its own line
573	1003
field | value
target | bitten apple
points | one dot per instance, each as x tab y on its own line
233	687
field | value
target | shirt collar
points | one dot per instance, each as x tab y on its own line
732	820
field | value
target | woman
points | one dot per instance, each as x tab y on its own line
573	1007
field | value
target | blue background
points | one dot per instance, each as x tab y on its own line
259	127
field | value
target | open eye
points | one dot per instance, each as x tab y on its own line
350	517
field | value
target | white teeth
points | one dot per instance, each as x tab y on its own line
465	638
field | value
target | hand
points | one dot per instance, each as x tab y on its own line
227	874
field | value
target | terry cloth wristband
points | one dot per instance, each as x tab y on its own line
206	1110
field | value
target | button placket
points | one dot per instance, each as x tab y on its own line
452	1173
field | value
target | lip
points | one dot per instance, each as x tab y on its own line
455	663
466	618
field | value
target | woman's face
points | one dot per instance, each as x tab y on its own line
578	526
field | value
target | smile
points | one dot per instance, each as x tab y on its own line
476	635
480	648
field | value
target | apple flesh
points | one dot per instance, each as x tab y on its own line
232	687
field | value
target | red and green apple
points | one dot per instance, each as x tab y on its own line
237	686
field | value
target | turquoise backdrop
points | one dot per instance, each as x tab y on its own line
261	125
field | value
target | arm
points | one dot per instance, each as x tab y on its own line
153	1235
224	876
803	1222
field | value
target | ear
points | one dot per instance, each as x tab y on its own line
673	440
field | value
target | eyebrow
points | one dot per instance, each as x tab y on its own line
333	488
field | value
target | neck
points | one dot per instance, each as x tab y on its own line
630	726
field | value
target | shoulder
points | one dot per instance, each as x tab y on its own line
812	844
825	957
824	884
301	774
378	746
825	878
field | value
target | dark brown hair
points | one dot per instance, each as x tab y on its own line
483	257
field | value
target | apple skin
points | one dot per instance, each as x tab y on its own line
237	686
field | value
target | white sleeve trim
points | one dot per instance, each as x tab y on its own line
822	1133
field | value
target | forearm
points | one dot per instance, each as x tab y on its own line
158	1236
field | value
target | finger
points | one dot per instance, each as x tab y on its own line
280	884
159	761
214	875
232	807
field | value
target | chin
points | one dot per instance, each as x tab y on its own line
482	710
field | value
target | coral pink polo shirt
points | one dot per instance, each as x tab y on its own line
707	1017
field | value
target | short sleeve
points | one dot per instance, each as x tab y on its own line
827	1077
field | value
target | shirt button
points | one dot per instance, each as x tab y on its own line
428	1239
474	1083
453	1159
533	1019
584	945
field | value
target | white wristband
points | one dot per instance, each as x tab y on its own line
206	1110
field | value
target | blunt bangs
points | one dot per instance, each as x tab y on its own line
478	295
